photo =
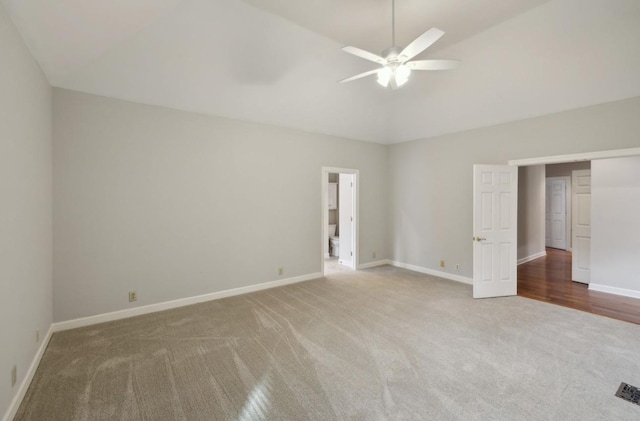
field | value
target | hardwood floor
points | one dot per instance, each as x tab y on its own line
549	279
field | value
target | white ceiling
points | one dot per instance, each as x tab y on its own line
367	23
278	61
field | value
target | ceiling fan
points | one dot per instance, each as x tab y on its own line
396	66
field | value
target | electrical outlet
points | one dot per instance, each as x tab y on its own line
457	266
14	375
133	296
37	335
280	271
374	254
441	263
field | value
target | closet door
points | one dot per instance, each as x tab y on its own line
581	224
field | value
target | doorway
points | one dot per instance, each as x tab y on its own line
567	214
510	261
339	230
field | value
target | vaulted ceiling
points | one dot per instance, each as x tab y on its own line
278	61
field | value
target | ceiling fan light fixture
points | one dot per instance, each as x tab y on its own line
397	63
402	73
384	76
399	75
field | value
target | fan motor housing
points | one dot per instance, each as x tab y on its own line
392	54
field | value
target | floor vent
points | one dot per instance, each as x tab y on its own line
629	393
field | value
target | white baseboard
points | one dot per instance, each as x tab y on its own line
374	264
446	275
26	381
614	290
532	257
167	305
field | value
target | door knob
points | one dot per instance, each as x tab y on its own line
479	238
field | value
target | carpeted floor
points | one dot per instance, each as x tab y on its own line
384	343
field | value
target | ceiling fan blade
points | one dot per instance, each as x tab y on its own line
364	54
420	44
433	64
358	76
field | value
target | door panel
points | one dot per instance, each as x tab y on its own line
556	213
495	201
346	235
547	214
505	261
581	221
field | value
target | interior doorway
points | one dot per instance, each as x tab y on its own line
573	158
339	219
567	214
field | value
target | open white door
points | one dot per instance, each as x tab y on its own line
495	220
547	214
581	226
346	197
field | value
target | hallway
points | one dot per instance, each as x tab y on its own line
549	279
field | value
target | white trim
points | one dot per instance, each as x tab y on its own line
614	290
532	257
26	381
374	264
446	275
586	156
167	305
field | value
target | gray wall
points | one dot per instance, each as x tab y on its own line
431	179
175	204
566	169
25	207
531	210
615	221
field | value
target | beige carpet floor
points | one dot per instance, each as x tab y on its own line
384	343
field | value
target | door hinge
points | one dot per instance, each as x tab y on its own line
351	184
351	218
351	253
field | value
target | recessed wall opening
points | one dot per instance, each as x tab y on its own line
574	239
554	212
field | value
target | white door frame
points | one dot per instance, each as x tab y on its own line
324	182
585	156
